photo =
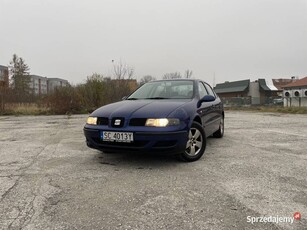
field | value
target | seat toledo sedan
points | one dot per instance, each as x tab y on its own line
166	116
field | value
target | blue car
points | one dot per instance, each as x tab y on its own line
166	116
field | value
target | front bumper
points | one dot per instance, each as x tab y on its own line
170	142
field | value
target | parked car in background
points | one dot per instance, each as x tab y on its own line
278	101
166	116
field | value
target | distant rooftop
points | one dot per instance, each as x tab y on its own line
267	85
234	86
56	79
281	82
3	67
37	76
298	83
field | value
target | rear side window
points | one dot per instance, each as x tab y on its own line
210	91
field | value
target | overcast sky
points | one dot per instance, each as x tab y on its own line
231	39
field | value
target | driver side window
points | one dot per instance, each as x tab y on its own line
202	90
209	89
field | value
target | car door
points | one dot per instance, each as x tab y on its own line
216	108
205	110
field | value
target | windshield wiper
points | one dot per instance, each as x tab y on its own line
132	98
157	98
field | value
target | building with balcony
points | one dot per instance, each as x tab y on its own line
4	77
56	82
38	84
43	85
4	84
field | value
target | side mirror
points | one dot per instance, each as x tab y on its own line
207	98
124	98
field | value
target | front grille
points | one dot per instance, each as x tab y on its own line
102	121
137	122
116	119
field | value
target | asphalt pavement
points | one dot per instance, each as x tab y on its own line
256	173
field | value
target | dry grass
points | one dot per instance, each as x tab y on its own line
292	110
25	109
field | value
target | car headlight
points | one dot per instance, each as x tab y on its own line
162	122
91	121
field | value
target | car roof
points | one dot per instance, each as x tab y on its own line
180	79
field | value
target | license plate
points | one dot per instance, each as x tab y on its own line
116	136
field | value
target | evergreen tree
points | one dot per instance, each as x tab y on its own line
20	78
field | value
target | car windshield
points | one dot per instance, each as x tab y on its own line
164	90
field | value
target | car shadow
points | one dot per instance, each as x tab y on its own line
135	160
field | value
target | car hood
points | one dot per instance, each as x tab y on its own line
140	108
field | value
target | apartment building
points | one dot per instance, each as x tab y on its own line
38	84
4	77
56	82
44	85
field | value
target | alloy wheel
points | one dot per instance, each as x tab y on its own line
194	143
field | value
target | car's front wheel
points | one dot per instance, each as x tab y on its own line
196	143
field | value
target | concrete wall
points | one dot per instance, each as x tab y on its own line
295	102
254	93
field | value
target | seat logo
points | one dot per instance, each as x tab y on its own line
117	122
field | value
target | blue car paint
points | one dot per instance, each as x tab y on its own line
169	139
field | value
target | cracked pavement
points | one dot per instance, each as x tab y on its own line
51	180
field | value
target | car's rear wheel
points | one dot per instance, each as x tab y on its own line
220	132
196	143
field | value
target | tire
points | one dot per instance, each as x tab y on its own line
196	144
220	132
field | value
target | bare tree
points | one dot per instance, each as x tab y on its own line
130	72
121	85
188	73
175	75
122	71
147	78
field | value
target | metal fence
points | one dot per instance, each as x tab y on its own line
252	101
